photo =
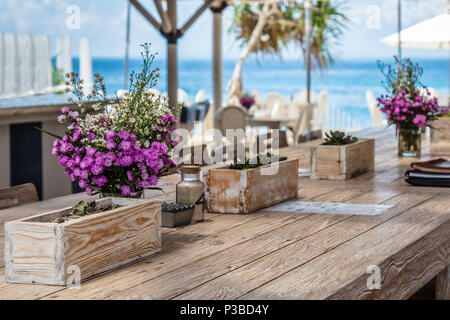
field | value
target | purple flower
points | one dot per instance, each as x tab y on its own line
125	145
153	180
66	147
63	160
97	169
126	190
76	135
65	109
110	134
126	160
110	145
84	174
124	134
62	119
89	191
91	151
82	184
420	120
100	181
130	175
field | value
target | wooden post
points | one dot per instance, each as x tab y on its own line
217	59
443	285
172	59
217	9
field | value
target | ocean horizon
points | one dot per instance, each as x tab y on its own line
346	81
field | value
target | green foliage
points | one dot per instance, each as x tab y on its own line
82	209
338	138
287	26
403	76
255	164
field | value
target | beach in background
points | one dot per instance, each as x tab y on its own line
346	81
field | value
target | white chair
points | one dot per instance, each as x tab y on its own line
276	104
301	97
183	97
257	96
375	113
200	96
322	107
121	93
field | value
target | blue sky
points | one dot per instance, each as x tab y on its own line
103	22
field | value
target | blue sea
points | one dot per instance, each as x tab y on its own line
346	81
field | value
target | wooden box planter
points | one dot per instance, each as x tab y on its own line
441	133
342	162
247	191
43	252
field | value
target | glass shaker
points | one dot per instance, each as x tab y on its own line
190	190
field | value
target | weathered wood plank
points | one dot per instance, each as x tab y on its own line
40	251
201	271
407	272
273	265
443	283
371	248
167	261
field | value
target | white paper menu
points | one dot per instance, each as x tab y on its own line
330	208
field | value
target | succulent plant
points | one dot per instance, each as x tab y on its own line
83	208
248	165
338	138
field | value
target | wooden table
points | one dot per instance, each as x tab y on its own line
272	123
281	255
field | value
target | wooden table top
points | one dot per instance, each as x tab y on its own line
284	255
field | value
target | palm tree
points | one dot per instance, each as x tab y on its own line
265	28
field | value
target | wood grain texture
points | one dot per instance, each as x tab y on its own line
247	191
214	253
342	162
272	265
443	283
220	265
39	251
242	228
374	247
17	195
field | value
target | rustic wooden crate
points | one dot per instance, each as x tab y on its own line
342	162
441	131
43	252
246	191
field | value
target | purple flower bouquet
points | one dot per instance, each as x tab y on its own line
122	146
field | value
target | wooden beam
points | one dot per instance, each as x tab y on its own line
166	24
195	16
146	15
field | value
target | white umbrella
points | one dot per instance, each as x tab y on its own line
433	34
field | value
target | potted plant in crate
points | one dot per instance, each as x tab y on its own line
117	148
246	187
342	157
409	106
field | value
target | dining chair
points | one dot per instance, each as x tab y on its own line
231	117
322	108
183	97
375	113
200	96
276	104
18	195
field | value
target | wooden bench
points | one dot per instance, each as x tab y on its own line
18	195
